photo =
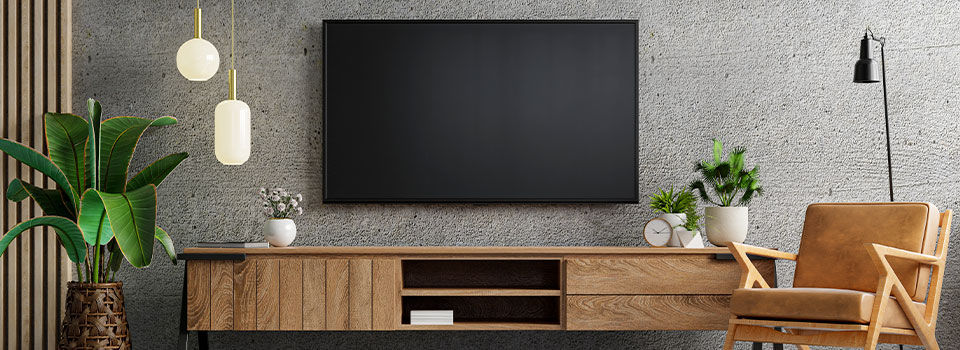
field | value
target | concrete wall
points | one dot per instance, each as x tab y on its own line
773	76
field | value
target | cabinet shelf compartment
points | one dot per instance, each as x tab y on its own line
489	311
482	274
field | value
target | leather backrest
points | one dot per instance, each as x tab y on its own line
832	252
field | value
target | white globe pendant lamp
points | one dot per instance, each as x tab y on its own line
197	59
232	120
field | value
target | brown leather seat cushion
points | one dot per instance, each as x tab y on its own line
833	252
814	304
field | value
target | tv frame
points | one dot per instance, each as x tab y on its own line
636	116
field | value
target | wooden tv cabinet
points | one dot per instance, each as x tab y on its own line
489	288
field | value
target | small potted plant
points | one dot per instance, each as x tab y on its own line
674	205
733	187
689	232
280	206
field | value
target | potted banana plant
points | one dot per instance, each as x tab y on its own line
100	216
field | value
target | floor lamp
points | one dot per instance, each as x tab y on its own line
865	71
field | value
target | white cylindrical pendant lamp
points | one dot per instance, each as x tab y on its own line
197	59
232	128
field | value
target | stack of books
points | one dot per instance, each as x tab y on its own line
431	317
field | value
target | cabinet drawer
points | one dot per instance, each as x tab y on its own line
648	312
658	274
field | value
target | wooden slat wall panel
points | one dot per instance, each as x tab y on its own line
221	295
338	293
268	294
314	294
198	294
35	65
245	295
386	294
361	294
291	294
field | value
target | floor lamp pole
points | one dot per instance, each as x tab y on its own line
886	118
865	71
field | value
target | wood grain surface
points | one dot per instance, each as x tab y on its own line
268	294
198	295
338	294
386	294
291	295
647	312
245	295
657	274
314	294
361	294
221	294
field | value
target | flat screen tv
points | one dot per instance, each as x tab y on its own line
480	111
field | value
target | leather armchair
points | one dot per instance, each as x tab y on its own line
866	273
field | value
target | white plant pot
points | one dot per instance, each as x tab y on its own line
674	220
726	224
688	239
279	232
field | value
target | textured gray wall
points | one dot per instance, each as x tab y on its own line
773	76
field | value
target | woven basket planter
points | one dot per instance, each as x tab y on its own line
94	317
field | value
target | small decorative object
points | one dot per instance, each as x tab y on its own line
689	232
431	317
673	206
280	206
91	188
658	232
729	181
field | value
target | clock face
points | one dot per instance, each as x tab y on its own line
657	232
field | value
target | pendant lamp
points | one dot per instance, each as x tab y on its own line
232	121
197	59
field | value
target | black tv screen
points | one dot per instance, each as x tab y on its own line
480	111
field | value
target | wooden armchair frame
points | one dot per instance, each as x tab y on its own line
801	333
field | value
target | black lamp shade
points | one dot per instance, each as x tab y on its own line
865	71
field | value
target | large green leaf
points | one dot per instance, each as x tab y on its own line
49	200
66	138
156	172
116	257
35	160
118	140
93	144
132	218
167	243
93	219
67	231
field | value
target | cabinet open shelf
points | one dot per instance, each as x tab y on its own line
479	292
479	326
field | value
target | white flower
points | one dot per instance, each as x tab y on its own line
275	198
263	190
299	211
281	207
268	211
283	193
293	202
299	197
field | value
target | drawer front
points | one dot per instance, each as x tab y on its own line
663	274
648	312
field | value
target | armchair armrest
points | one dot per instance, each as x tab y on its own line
750	275
887	251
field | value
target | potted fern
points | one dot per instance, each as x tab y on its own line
101	217
674	206
733	187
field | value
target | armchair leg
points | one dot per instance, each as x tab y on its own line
731	332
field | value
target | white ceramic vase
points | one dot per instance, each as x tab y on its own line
675	220
279	232
726	224
688	239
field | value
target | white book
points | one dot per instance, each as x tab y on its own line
233	245
431	317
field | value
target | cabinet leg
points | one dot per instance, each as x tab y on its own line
203	341
184	336
757	346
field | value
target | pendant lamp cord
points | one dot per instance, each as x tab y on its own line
232	53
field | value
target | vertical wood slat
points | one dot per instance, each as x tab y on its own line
314	294
338	293
198	294
221	295
361	294
386	294
35	65
291	295
245	295
268	294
